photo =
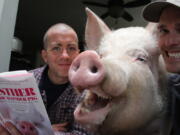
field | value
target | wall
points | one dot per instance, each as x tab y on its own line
8	11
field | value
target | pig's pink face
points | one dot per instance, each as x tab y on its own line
120	90
121	87
120	80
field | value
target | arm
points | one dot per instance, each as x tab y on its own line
76	130
60	127
73	128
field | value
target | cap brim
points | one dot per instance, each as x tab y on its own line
152	11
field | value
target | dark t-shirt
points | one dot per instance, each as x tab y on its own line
175	103
53	91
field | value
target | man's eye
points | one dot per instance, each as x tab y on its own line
72	49
56	48
163	31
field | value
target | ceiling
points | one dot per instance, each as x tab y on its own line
34	17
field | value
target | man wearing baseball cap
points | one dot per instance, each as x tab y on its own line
167	15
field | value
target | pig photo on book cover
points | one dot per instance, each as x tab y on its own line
26	118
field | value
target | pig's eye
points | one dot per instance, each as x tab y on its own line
142	59
138	55
36	124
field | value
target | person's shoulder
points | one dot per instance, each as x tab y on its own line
37	70
174	85
174	78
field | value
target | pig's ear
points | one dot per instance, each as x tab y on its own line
152	27
95	30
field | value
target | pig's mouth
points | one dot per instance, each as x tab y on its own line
94	108
95	102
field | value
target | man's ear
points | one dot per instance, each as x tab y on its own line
44	55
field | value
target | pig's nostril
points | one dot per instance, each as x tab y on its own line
76	67
94	69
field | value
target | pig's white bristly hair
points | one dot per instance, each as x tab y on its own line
117	43
124	39
139	36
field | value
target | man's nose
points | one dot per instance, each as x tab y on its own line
64	53
172	39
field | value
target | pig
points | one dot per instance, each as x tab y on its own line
29	122
121	77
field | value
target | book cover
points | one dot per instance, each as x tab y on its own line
21	103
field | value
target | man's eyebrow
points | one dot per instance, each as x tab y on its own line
73	44
55	43
161	26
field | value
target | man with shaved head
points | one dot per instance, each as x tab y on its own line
60	49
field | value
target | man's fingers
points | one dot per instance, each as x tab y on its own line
62	124
60	127
55	128
3	131
12	129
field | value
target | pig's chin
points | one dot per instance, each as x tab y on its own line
93	110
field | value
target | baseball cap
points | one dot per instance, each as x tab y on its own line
153	10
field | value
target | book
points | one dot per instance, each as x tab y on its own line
21	103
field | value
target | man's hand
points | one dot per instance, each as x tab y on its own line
60	127
12	130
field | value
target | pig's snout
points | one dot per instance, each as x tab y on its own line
86	70
27	128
